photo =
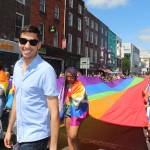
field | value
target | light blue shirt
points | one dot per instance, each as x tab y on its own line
33	117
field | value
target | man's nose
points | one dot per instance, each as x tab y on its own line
27	44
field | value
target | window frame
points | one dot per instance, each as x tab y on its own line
56	12
79	24
87	35
69	43
70	19
40	23
56	38
78	45
22	24
22	2
71	3
79	9
91	55
95	56
42	4
91	37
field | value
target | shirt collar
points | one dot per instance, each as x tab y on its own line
33	63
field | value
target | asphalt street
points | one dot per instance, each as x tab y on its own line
98	135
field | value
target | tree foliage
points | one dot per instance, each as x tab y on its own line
125	65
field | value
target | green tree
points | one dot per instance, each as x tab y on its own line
125	65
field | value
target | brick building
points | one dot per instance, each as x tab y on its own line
74	32
55	23
14	14
91	40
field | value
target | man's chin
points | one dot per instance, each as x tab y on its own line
26	57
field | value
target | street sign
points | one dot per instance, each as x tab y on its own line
84	63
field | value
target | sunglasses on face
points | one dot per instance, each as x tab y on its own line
32	42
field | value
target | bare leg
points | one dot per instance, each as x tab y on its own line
72	135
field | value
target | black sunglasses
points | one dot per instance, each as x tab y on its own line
32	42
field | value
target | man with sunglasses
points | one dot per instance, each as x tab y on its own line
35	104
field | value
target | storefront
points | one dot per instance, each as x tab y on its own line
9	54
59	58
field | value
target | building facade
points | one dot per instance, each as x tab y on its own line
145	64
133	54
105	54
74	32
112	43
14	15
91	41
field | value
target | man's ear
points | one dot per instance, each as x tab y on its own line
39	44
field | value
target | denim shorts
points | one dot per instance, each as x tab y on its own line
37	145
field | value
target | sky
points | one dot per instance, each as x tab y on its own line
128	19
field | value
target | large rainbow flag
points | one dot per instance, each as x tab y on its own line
118	102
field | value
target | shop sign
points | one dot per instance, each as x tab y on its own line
52	29
42	50
6	46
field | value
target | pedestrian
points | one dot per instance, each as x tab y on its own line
73	106
35	104
3	89
147	102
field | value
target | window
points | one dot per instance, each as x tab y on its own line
92	24
106	33
91	55
56	13
70	19
78	45
91	37
71	3
95	56
19	24
41	28
86	52
69	44
79	9
102	42
106	44
42	5
86	35
102	30
87	20
96	39
102	53
96	26
56	38
21	1
79	24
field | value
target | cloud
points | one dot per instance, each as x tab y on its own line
144	51
106	4
144	35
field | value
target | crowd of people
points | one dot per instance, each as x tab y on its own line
34	90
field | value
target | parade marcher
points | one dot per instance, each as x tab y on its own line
35	104
73	106
3	92
147	102
3	89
